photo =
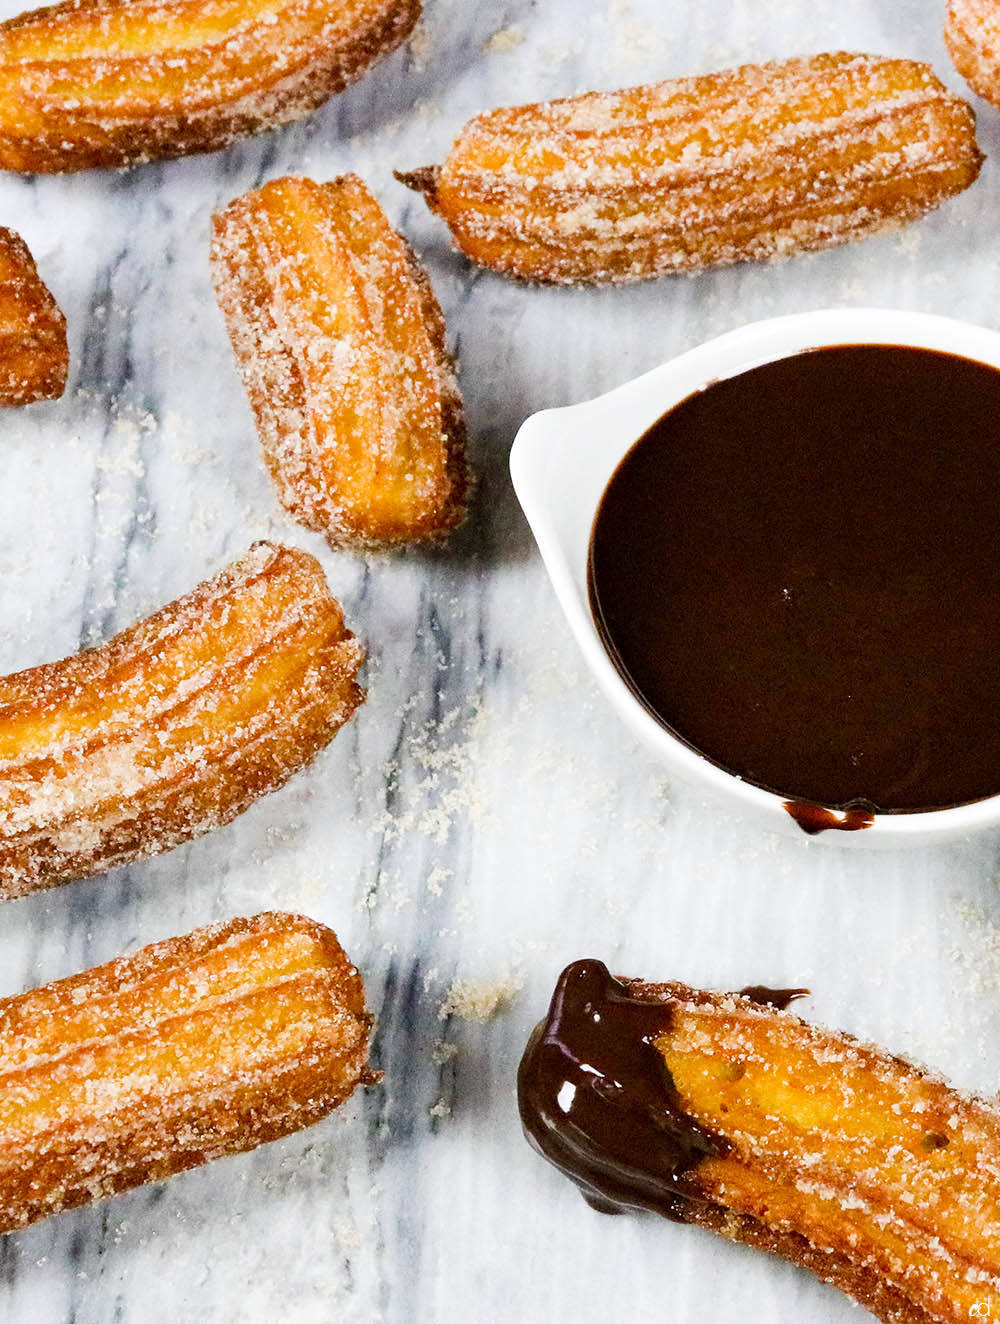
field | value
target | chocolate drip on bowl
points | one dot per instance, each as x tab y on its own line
814	819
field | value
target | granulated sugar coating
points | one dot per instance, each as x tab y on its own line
191	1049
124	81
174	726
972	34
341	345
756	162
34	359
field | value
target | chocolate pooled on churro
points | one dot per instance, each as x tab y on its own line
727	1111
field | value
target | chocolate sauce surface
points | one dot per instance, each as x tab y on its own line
597	1099
797	570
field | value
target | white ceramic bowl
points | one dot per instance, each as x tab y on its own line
562	460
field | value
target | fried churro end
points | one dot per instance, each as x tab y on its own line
34	357
425	180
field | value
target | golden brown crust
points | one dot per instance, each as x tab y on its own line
191	1049
852	1163
972	35
174	726
755	162
341	346
34	359
838	1270
116	82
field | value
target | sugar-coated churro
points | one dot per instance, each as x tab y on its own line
117	82
176	725
755	162
727	1111
341	345
191	1049
972	35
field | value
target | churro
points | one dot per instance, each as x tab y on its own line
174	726
756	162
341	346
727	1111
972	35
191	1049
117	82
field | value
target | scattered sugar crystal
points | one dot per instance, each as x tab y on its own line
472	1001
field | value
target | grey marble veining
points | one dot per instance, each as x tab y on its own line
485	818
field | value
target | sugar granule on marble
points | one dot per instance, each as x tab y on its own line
420	46
436	880
443	1052
980	959
348	1235
469	1000
400	896
448	788
505	39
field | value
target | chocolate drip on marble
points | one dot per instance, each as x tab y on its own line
779	998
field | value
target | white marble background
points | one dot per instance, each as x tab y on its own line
484	819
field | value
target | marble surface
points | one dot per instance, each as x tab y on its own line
485	818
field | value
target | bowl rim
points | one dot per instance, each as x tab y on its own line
562	459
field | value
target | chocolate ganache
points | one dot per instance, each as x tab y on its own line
597	1100
796	570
